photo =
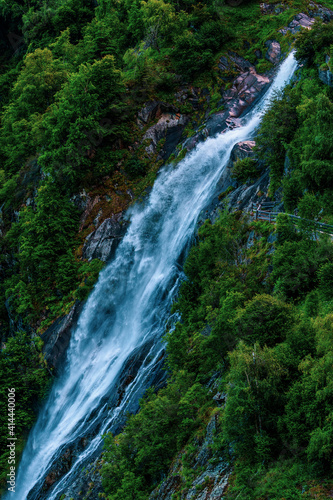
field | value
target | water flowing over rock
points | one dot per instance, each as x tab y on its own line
126	315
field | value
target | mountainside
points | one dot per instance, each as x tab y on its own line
96	97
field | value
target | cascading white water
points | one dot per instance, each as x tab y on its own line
128	306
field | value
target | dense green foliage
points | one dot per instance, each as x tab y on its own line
258	314
269	339
256	317
73	75
23	368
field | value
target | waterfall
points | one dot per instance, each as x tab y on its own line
127	309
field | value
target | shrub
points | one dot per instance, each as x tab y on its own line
244	170
265	320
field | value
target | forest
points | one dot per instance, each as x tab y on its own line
73	76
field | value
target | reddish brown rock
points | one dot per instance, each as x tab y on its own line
273	53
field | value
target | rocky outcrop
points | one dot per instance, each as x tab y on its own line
235	62
243	196
273	53
56	338
325	74
275	8
102	243
240	197
242	150
169	127
300	21
245	92
152	110
211	480
323	13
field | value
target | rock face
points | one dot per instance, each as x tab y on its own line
152	110
242	150
241	197
325	75
57	337
170	126
299	21
245	91
102	243
273	53
211	480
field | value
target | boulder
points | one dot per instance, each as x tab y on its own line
245	92
102	243
317	10
325	74
300	21
152	110
56	338
242	150
170	126
273	53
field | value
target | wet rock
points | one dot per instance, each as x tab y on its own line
273	53
215	125
56	338
50	479
245	92
102	243
242	150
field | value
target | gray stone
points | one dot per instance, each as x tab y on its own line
168	125
102	243
57	336
273	53
152	110
325	75
246	91
242	150
300	21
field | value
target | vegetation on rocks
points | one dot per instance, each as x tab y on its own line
255	316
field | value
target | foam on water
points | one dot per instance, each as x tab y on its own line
128	306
